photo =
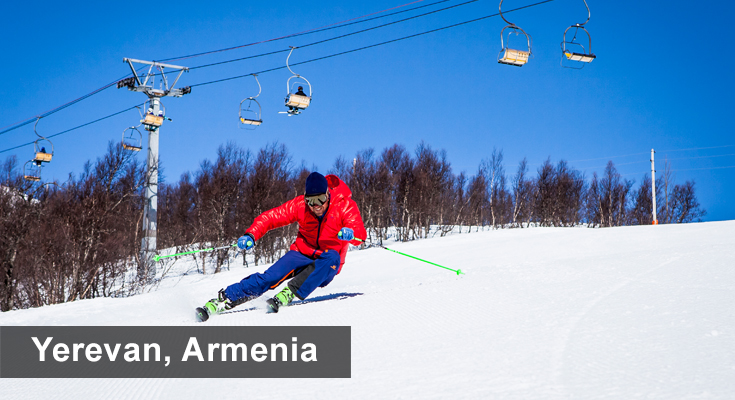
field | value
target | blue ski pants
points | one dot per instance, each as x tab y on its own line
319	272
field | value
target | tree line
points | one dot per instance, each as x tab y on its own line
80	239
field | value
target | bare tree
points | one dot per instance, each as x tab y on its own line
461	205
665	182
400	168
477	197
495	174
522	195
78	236
220	188
545	195
75	241
641	212
685	207
570	190
17	215
270	186
370	183
613	197
176	213
432	181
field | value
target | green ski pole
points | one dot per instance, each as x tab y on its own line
194	251
457	271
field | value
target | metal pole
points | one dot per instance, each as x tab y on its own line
150	213
653	188
147	267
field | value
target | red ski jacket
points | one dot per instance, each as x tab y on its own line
316	236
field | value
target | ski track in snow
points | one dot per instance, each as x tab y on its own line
542	313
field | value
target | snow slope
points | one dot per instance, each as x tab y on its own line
542	313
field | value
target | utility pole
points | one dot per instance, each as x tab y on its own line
154	117
653	188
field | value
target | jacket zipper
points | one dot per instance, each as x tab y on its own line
319	228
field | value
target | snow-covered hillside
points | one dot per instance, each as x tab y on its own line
542	313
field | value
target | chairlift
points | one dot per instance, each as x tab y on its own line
132	139
39	147
151	122
32	170
567	46
296	100
508	55
250	118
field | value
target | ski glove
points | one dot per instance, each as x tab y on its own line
346	234
246	242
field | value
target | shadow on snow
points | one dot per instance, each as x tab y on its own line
333	296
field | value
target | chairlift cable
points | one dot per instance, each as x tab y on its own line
59	108
692	158
76	127
302	62
682	170
696	148
316	30
337	37
648	152
27	121
52	111
702	169
370	46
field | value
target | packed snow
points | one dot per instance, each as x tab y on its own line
542	313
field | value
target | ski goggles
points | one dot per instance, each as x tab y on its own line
316	199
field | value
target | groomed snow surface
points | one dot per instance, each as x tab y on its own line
542	313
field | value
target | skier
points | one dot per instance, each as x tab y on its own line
299	92
328	220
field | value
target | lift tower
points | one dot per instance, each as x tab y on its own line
152	121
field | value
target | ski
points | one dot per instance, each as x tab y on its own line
272	306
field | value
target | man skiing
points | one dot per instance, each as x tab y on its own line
328	220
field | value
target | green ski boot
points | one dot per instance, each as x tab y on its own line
213	307
282	299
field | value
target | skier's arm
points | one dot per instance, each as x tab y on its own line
282	215
352	219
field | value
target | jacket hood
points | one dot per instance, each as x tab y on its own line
338	188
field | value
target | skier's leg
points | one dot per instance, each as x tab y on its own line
316	275
295	283
258	283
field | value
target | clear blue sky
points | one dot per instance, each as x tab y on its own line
662	80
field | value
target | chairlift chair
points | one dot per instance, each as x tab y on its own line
32	170
41	155
151	122
585	56
296	102
39	147
132	139
249	117
509	55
